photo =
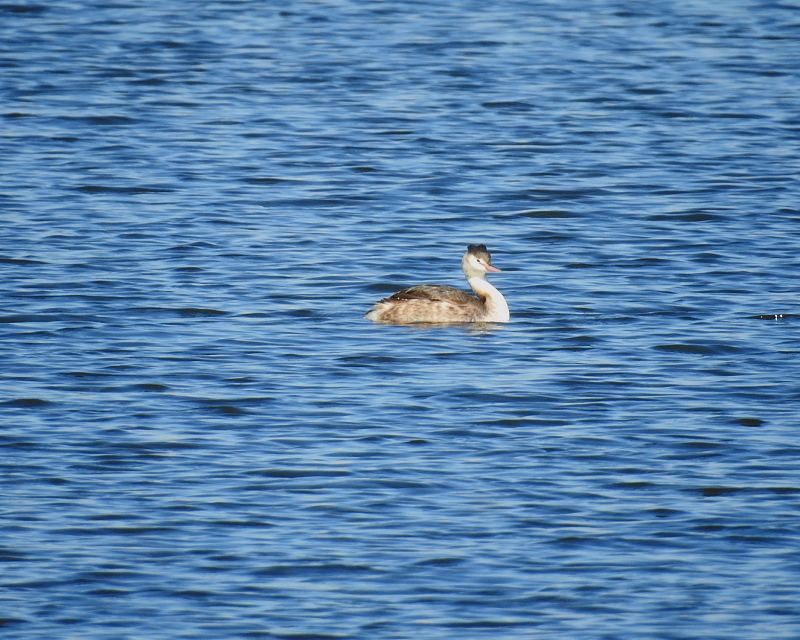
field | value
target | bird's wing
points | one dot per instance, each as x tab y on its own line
437	292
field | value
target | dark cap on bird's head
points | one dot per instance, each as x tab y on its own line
480	251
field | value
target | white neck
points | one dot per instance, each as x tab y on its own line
496	306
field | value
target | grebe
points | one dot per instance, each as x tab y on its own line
438	303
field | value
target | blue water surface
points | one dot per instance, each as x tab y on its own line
202	437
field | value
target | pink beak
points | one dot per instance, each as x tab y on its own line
491	268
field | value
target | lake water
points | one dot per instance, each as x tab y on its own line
203	438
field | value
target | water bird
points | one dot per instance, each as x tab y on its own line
439	303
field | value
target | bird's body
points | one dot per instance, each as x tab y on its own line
438	303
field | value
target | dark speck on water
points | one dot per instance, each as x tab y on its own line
204	439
